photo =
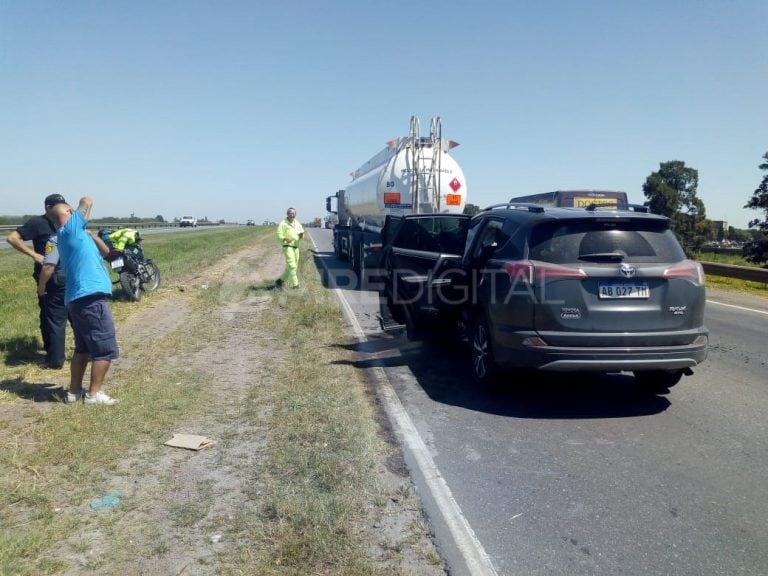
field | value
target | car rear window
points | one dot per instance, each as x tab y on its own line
641	241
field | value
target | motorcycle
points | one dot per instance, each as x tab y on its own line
136	273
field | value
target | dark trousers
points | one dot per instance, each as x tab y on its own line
53	323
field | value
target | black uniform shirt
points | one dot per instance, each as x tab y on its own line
37	229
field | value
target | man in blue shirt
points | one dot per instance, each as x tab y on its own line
87	288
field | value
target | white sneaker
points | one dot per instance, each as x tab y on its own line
99	398
74	398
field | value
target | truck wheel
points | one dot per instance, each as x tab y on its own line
413	329
351	254
356	260
361	266
484	369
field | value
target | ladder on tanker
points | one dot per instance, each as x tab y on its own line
425	175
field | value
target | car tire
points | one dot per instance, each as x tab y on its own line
658	379
484	369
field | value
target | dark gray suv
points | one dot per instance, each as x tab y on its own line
560	289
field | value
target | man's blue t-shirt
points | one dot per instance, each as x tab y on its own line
81	260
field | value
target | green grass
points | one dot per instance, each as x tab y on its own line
307	502
58	455
733	259
733	284
176	254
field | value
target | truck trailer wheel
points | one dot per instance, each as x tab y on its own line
356	260
360	252
337	246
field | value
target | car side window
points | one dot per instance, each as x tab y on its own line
492	238
474	226
443	233
417	234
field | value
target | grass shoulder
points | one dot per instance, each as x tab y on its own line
295	483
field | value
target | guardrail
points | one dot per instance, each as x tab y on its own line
715	250
738	272
9	227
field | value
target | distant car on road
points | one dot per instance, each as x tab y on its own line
188	221
250	223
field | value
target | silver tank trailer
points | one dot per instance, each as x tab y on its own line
384	185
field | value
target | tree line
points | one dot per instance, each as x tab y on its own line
672	192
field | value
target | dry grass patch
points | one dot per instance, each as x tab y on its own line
295	484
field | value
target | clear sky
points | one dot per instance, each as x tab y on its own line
238	109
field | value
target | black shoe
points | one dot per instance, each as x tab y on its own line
279	282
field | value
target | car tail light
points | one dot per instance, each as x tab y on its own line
686	270
534	270
548	271
519	271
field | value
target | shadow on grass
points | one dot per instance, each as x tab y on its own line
21	350
31	391
265	286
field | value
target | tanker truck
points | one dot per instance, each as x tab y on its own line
413	175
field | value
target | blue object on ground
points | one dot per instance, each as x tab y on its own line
109	500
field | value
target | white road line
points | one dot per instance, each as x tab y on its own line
472	551
737	307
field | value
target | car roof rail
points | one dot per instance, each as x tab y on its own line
536	208
619	206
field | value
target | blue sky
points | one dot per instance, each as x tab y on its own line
237	109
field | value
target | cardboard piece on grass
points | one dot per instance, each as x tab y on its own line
189	441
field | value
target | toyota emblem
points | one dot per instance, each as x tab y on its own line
628	271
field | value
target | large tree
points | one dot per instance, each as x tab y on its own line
671	192
757	249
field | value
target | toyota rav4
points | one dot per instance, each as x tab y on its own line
559	289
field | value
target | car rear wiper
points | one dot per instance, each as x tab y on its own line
604	257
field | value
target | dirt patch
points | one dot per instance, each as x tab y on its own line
183	503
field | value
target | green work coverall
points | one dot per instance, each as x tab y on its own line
289	235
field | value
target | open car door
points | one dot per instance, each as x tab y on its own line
423	274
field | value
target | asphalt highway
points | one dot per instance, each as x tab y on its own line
572	474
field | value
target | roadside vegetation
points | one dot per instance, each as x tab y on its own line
310	489
733	284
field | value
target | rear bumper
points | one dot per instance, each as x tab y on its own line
605	359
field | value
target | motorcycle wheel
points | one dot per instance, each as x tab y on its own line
131	286
152	282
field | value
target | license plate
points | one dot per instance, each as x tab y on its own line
624	291
117	263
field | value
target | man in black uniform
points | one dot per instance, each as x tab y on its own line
53	314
